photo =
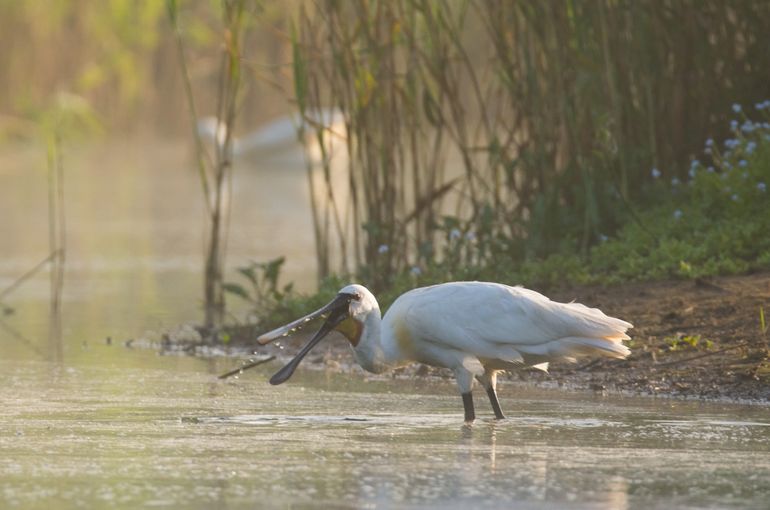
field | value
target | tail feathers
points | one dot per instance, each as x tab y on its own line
592	322
576	347
571	347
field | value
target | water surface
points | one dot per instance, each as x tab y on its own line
164	432
90	425
135	236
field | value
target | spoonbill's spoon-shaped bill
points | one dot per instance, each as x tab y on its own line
277	333
335	309
476	329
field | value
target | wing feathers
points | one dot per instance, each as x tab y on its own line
494	321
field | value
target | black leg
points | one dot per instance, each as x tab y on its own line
495	403
470	414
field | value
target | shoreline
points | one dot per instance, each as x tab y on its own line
563	377
693	339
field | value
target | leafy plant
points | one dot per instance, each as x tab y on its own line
677	343
713	222
261	287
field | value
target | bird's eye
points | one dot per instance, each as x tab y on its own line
357	297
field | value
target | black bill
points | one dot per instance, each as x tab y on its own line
336	312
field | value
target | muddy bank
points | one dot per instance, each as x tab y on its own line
695	339
698	338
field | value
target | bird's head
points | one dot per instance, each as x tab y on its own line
362	302
346	313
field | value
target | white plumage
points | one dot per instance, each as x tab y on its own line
513	324
473	328
281	135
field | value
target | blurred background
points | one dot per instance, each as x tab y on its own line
395	143
104	79
179	175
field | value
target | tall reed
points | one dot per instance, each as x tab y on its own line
534	125
66	117
216	173
57	240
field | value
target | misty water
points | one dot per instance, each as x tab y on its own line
92	424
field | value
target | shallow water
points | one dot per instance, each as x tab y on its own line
135	235
90	425
157	431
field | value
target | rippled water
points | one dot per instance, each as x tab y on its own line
165	432
105	426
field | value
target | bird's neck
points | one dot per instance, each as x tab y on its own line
373	351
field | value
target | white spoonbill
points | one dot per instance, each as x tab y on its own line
476	329
280	135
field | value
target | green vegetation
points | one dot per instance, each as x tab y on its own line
535	143
762	368
529	126
713	222
216	173
678	343
541	144
120	57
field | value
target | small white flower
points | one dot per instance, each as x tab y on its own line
677	214
736	108
734	125
691	173
454	234
734	198
710	169
383	248
470	236
707	151
655	173
747	127
742	163
675	181
750	147
761	186
416	271
603	238
709	142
